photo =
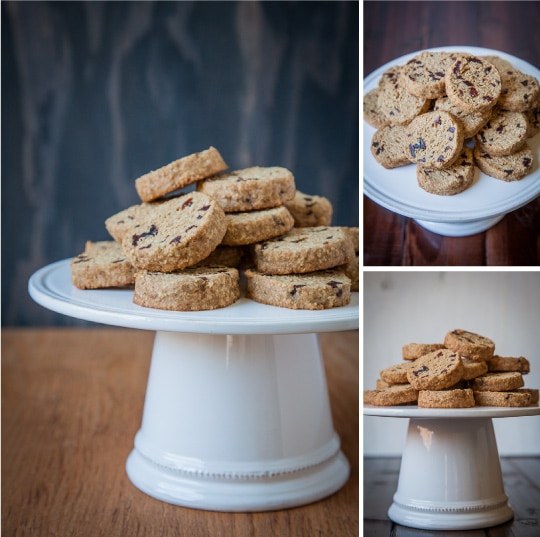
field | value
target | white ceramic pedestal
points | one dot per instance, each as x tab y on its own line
450	476
236	415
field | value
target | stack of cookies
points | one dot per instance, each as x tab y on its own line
461	372
447	112
186	251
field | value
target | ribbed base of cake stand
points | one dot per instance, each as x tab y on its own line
460	229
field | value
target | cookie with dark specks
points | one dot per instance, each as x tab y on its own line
509	363
507	168
503	134
459	398
469	344
372	112
498	382
412	351
396	374
505	399
309	210
423	75
436	370
393	395
388	146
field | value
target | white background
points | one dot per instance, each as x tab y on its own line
420	307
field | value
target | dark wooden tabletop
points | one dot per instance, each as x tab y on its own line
392	29
521	477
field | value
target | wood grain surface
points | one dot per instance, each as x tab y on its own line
72	402
392	29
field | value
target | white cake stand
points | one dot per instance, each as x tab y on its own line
236	415
450	476
473	211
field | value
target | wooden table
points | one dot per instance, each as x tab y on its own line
392	29
72	402
521	477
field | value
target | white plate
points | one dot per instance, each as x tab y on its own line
413	411
52	288
474	210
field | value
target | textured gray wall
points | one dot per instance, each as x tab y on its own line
95	94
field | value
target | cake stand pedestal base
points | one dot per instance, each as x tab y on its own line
460	229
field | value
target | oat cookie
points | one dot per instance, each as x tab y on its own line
501	64
436	370
508	363
388	146
503	134
434	139
469	344
309	210
394	395
423	75
473	368
190	289
471	123
459	398
396	374
101	265
352	271
250	189
519	92
508	168
450	181
251	227
178	233
412	351
533	393
533	120
120	223
498	382
372	112
354	235
508	399
228	256
313	291
180	173
472	84
304	250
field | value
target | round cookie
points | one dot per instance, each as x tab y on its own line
372	112
472	84
501	64
498	382
434	139
471	123
507	363
450	181
412	351
533	120
304	250
504	134
508	168
396	374
436	370
250	189
180	173
313	291
473	368
459	398
176	234
519	92
423	75
469	344
507	399
388	146
120	223
309	211
256	226
534	394
394	395
191	289
396	104
352	271
228	256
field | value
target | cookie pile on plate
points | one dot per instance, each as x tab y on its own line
461	372
448	112
186	251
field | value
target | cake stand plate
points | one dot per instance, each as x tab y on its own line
236	414
473	211
450	476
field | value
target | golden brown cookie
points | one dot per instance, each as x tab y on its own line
498	382
436	370
309	210
393	395
508	363
503	134
469	344
396	374
412	351
458	398
508	168
505	399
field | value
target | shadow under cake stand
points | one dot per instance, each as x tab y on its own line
450	476
236	414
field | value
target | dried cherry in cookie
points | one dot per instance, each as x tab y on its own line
507	168
436	370
519	92
503	134
469	344
388	146
423	75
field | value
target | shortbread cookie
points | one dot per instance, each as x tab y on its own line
450	181
503	134
508	363
471	123
533	120
180	173
352	271
498	382
256	226
519	92
533	393
120	223
178	233
101	265
250	189
190	289
469	344
459	398
381	384
354	235
372	112
388	146
393	395
509	168
228	256
473	368
507	399
396	104
396	374
304	250
434	139
423	75
312	291
412	351
501	64
309	210
436	370
472	84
